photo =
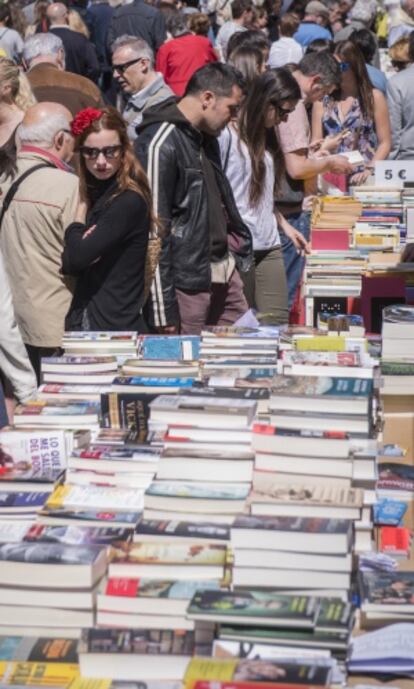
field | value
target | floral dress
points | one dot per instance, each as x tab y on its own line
362	135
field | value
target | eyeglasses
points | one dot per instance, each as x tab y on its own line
284	112
109	152
124	65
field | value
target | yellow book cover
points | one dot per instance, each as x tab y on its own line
57	497
38	674
326	344
84	683
210	668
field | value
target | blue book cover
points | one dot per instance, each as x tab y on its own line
131	381
171	347
389	512
16	500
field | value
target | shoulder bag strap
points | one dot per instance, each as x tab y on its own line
16	184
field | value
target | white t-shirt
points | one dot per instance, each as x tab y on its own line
237	165
284	51
11	42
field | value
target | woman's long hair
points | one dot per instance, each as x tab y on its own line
23	98
269	89
249	61
350	53
130	174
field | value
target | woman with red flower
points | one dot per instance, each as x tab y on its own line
106	245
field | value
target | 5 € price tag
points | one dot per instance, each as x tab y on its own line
394	173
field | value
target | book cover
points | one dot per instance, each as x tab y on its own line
49	553
175	553
98	497
127	411
278	490
334	615
171	347
181	529
32	674
253	670
154	382
321	358
397	368
154	588
395	476
22	501
74	535
292	524
57	408
86	515
38	650
387	588
32	454
138	642
389	512
399	313
196	491
322	386
296	610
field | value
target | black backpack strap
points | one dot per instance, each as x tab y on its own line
16	184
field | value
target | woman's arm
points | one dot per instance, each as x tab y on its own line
317	127
124	215
382	126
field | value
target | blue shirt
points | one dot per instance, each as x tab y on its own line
309	31
377	79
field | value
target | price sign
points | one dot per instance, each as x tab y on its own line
393	173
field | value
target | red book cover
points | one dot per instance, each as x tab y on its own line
395	539
331	240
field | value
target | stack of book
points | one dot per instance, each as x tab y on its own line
272	622
150	582
48	587
76	377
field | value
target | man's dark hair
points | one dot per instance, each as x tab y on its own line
240	6
319	45
4	13
365	40
411	48
322	64
249	39
215	77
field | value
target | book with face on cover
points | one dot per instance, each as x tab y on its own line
32	455
52	565
159	654
254	607
175	560
258	670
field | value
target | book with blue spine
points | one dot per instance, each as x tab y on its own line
150	384
171	347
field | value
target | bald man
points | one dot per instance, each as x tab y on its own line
80	54
33	227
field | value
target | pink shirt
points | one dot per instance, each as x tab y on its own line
295	134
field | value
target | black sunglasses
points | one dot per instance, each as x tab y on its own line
109	152
124	65
284	112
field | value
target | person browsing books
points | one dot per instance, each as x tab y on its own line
106	245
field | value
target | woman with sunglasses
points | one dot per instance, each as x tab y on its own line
356	118
250	152
106	245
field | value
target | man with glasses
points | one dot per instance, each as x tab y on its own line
34	218
133	69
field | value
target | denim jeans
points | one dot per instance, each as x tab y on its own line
294	262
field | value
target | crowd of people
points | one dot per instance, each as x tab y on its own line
158	160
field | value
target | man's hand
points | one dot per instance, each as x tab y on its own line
340	165
167	330
299	241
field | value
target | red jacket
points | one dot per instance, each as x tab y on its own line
179	58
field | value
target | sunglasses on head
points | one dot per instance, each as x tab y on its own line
121	68
92	153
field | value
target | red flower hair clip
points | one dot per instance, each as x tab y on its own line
84	119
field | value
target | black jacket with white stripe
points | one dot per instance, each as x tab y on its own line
171	151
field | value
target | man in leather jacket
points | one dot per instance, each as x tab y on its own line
205	242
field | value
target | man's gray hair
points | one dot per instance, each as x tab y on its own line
41	44
137	45
44	132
